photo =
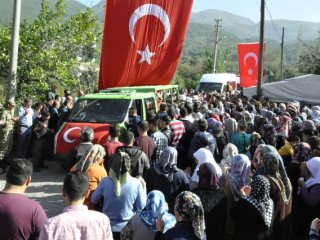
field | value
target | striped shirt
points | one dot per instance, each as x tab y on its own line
177	128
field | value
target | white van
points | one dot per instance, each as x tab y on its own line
216	82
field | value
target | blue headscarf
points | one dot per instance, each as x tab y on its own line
156	205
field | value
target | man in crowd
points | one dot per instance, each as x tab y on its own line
202	139
159	138
40	144
86	136
20	217
76	221
65	111
165	129
26	118
52	94
139	160
134	119
176	126
187	123
7	121
144	141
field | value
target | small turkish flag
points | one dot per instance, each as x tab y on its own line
248	57
142	41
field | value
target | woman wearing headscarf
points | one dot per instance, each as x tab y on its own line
256	140
283	128
228	153
230	126
308	201
253	212
166	177
92	165
122	194
143	225
269	134
190	220
232	183
301	154
203	155
214	201
257	160
281	194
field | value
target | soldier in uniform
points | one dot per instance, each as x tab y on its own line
7	120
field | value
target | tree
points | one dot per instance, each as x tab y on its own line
50	49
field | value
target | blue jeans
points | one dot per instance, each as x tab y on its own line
24	140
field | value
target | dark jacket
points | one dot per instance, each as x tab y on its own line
181	231
139	160
183	149
171	190
214	202
202	140
248	221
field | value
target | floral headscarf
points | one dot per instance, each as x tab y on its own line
229	151
97	152
302	152
258	154
260	198
167	164
239	174
275	171
189	207
119	171
203	155
155	206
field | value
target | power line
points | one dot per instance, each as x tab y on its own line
272	22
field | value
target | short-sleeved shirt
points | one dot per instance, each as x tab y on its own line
20	217
77	222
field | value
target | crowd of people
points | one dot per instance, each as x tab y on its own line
206	166
34	126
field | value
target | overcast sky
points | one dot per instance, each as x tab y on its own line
307	10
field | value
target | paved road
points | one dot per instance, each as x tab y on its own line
46	188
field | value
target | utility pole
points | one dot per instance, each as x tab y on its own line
282	45
260	72
12	76
216	32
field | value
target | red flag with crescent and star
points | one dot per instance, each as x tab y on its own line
142	41
248	57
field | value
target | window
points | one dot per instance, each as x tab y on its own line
99	110
149	104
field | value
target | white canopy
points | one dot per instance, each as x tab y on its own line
305	88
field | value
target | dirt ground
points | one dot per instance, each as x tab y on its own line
46	188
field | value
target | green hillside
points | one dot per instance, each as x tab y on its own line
30	8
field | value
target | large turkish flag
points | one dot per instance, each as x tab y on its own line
142	41
248	57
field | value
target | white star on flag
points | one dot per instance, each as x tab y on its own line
146	55
250	71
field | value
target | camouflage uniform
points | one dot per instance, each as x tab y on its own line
6	133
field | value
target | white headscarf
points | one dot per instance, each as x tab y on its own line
313	166
229	151
203	155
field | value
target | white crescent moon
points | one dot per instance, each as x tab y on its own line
154	10
248	55
65	135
